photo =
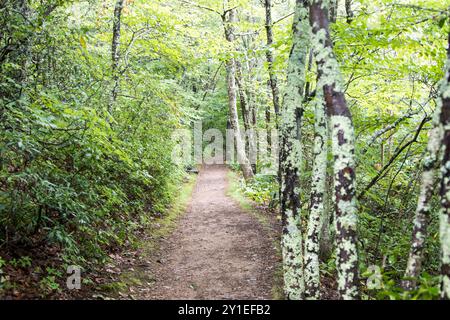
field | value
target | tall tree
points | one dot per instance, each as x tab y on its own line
245	110
317	200
290	155
348	11
115	46
342	138
423	209
333	9
270	59
24	9
229	19
268	118
443	102
248	112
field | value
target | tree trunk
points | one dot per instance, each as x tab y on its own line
24	9
328	227
247	116
269	56
290	156
231	87
349	11
333	10
444	103
342	136
317	205
242	97
115	54
247	97
422	215
328	231
268	127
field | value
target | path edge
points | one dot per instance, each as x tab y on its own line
268	222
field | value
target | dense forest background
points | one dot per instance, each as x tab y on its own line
91	93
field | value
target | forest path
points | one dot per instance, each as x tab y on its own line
217	251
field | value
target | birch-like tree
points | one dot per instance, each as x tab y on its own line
342	138
229	19
273	80
115	54
290	155
423	209
317	200
443	103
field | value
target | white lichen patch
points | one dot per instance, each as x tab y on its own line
291	244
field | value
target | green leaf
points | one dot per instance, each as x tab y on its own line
83	42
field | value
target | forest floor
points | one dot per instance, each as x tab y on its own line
217	251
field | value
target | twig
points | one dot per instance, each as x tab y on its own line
392	159
202	7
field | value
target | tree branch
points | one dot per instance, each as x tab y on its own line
282	18
204	7
381	173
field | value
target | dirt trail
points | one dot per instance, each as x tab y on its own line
218	251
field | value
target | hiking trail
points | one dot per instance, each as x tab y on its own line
217	251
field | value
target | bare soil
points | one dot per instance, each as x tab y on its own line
217	251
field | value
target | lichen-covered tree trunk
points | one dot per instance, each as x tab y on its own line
268	125
333	9
422	214
115	54
290	156
248	116
244	164
443	102
342	137
349	11
269	56
242	96
328	227
317	204
248	70
327	232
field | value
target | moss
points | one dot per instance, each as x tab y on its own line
113	287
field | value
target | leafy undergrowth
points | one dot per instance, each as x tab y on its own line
39	271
